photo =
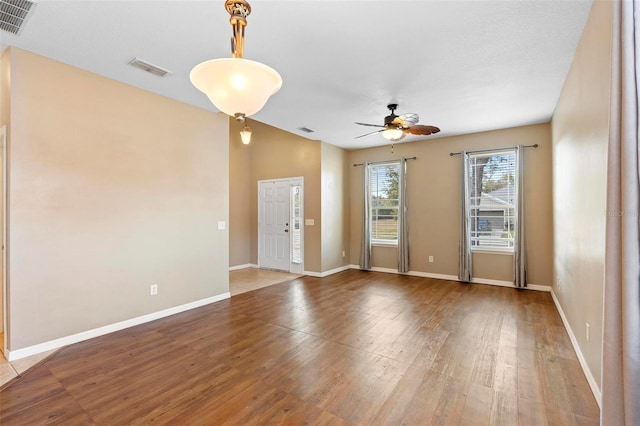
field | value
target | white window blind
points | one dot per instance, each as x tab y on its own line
296	225
492	200
384	202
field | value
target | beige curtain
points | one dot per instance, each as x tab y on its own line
403	219
520	246
621	342
365	240
465	264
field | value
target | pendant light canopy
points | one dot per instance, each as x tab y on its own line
236	86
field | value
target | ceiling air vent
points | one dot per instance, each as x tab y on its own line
13	14
148	67
305	129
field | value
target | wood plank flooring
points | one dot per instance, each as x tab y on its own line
354	348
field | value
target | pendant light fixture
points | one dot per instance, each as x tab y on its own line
245	134
236	86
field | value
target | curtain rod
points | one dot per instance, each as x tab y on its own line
451	154
387	161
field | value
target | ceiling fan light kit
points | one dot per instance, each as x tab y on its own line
236	86
396	126
393	134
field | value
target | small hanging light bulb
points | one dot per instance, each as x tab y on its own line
245	134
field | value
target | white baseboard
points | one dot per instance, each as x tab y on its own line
100	331
509	284
583	362
327	273
245	266
538	287
432	275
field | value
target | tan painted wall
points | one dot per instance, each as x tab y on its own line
434	203
112	189
275	154
335	206
5	107
580	128
239	198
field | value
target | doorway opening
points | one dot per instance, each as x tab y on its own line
281	224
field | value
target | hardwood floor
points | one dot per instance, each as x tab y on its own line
353	348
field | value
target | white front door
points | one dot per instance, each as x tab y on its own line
273	224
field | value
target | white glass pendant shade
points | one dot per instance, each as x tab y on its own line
392	134
236	85
245	135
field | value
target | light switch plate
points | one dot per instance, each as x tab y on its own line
309	222
222	224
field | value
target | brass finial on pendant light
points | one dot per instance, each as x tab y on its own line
236	86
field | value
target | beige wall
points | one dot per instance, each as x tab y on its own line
434	203
580	136
112	189
4	121
5	98
239	201
274	154
335	206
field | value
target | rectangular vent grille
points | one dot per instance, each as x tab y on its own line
13	13
305	129
148	67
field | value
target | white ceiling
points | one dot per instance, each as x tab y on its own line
464	66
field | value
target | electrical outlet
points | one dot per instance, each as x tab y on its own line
588	327
430	259
153	289
343	253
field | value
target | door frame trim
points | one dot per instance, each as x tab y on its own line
291	180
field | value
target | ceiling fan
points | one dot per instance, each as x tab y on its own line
396	126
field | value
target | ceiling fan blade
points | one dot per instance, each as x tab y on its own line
421	129
409	119
367	124
367	134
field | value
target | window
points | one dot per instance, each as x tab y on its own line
492	200
296	224
384	202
